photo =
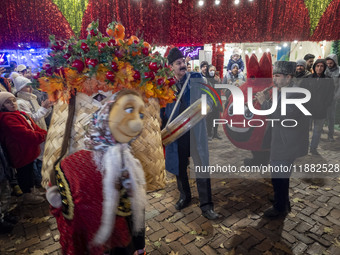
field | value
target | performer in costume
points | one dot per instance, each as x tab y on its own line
99	200
178	152
287	142
255	139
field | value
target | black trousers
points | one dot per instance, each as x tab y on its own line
25	177
280	181
214	114
203	184
259	157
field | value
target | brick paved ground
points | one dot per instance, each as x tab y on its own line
313	226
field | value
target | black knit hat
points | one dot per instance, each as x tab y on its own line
284	67
174	54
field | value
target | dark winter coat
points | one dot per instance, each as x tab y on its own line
199	131
300	76
239	62
288	143
335	74
322	92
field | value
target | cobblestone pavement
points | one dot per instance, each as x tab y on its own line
312	227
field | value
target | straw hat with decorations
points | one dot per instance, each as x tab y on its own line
91	70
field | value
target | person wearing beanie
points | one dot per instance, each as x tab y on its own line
28	103
204	66
23	71
7	220
234	77
20	138
235	58
333	70
235	66
287	143
213	79
3	97
322	89
309	58
178	152
301	71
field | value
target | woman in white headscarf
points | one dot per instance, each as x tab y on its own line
28	103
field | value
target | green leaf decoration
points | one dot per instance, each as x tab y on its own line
316	8
73	11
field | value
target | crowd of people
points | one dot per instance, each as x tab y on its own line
24	115
321	79
22	134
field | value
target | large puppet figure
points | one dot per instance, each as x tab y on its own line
99	200
255	139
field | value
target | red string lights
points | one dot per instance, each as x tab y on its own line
170	22
31	22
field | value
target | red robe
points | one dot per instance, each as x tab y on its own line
79	176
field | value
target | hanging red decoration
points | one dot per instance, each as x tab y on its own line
169	22
329	25
167	51
220	60
214	55
31	22
218	57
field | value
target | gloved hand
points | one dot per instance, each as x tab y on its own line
53	196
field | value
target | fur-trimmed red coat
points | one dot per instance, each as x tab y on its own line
20	137
81	188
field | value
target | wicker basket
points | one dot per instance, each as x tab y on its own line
147	148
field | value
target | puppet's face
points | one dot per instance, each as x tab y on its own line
126	118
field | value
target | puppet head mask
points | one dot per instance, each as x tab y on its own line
259	77
119	121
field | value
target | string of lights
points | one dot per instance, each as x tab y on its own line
201	2
276	47
217	2
31	58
